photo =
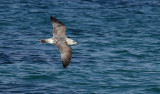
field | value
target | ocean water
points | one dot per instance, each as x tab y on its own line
118	51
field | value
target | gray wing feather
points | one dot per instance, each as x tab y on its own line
66	53
58	27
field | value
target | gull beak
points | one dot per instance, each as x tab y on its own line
77	43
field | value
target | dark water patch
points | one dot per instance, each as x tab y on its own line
39	78
16	88
75	31
5	59
37	58
153	90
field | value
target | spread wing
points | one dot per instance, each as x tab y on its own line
58	27
66	53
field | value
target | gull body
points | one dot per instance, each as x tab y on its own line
61	41
54	40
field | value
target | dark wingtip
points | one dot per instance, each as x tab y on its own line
53	19
65	66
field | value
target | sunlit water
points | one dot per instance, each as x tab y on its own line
118	51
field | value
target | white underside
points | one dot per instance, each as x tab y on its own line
50	41
68	40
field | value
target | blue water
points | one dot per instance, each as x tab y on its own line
118	51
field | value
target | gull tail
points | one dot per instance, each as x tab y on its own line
43	41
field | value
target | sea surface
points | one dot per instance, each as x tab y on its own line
118	51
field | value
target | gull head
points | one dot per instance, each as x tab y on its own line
71	42
74	42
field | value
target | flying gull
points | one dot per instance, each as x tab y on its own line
61	41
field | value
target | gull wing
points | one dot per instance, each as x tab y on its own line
58	27
66	53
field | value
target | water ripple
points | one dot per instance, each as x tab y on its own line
118	49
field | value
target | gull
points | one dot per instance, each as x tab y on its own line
61	41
